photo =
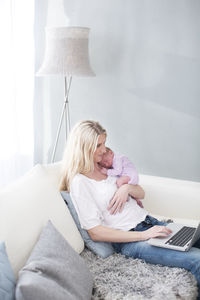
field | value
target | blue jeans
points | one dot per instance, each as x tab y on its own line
188	260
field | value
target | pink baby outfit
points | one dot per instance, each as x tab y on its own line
122	166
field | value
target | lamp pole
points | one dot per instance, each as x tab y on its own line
65	111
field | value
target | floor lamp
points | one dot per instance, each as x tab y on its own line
66	54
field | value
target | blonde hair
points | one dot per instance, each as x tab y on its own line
79	151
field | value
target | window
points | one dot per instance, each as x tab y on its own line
16	88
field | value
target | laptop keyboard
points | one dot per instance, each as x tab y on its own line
182	237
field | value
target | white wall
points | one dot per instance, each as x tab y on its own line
146	56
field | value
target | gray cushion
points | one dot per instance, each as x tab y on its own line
102	249
7	278
54	271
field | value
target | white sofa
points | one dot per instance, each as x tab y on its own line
27	205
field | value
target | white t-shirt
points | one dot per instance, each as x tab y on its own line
91	199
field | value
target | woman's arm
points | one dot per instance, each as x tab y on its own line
120	197
136	191
106	234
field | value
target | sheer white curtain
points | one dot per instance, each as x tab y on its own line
16	88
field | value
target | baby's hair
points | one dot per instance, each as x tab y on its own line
108	149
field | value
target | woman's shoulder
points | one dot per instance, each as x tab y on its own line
81	184
77	182
82	179
79	179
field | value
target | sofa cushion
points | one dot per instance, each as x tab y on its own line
7	278
100	248
26	206
54	271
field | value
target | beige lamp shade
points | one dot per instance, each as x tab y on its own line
66	52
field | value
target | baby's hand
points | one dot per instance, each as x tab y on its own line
122	180
104	171
139	202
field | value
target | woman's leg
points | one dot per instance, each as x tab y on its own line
197	244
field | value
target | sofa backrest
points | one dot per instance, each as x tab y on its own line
177	199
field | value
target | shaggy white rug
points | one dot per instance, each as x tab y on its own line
121	278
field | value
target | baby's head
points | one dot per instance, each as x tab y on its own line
107	158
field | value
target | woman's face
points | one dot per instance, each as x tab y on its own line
101	149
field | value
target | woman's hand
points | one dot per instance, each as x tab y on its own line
156	231
119	199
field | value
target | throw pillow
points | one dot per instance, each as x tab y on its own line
7	279
54	271
102	249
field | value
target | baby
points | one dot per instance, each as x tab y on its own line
119	165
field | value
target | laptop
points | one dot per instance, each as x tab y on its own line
182	237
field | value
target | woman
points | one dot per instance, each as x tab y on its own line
111	214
